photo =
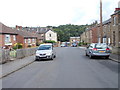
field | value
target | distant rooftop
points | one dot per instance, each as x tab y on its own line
74	37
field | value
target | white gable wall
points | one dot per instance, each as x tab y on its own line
50	35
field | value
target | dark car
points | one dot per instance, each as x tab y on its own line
74	45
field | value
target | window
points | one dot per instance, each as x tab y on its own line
7	39
119	37
104	40
109	41
25	40
50	35
29	40
14	37
114	20
114	38
33	40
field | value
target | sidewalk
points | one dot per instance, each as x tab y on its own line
13	66
115	57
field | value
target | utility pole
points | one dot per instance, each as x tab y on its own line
101	27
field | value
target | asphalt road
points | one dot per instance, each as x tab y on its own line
70	69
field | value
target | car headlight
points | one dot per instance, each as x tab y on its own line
37	54
49	53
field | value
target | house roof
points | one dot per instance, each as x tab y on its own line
26	34
39	36
107	21
6	30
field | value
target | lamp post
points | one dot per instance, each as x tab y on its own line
101	28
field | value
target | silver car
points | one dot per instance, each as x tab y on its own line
45	51
98	49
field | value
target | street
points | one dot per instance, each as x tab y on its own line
70	69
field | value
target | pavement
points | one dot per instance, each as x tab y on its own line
115	57
16	65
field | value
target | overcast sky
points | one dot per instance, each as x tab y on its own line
53	12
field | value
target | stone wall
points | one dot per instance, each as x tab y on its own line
115	50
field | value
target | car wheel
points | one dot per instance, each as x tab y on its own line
107	57
86	54
36	59
52	57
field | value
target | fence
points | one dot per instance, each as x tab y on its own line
7	55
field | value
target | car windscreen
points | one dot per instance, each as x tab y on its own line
45	47
101	46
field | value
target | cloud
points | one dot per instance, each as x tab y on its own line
53	12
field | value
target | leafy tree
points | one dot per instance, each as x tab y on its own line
66	31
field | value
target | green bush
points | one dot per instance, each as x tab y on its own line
37	44
82	43
79	44
17	46
49	41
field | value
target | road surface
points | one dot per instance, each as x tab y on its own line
70	69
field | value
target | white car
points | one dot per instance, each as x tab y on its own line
45	51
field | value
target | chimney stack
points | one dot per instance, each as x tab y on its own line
18	27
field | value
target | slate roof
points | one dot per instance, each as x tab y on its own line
6	30
26	34
107	21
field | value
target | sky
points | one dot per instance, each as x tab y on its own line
43	13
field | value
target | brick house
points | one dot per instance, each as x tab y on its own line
26	38
94	31
8	36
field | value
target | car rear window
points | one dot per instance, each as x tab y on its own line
100	46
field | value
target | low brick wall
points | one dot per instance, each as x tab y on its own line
20	53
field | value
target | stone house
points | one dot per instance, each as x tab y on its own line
86	37
107	31
115	28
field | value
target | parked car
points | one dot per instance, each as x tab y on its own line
98	49
45	51
74	45
63	45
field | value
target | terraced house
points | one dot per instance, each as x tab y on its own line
111	32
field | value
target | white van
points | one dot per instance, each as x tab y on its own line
45	51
